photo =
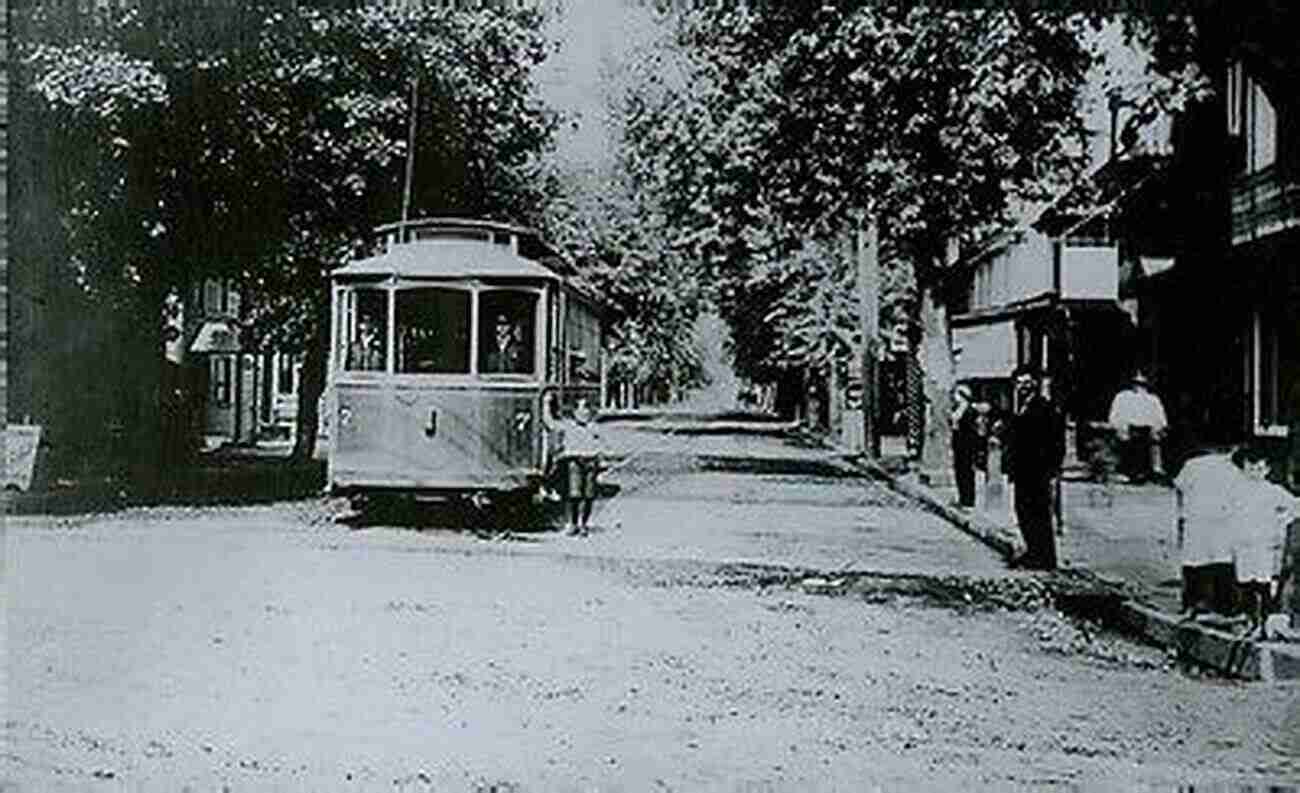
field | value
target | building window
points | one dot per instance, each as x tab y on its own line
1275	369
232	298
212	298
286	369
1252	118
222	379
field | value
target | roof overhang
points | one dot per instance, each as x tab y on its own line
216	336
445	260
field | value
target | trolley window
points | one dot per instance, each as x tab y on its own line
433	331
367	330
583	333
507	328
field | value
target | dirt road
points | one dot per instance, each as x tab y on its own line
276	648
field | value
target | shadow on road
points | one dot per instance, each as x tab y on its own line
754	417
226	482
781	466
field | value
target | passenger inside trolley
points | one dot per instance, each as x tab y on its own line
367	347
506	345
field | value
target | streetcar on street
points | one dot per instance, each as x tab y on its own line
447	343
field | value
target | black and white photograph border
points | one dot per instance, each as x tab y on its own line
601	395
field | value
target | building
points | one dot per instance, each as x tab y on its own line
1072	292
1032	296
1221	320
231	395
1263	126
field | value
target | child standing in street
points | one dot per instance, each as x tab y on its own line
580	458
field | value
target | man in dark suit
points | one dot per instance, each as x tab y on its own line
1037	449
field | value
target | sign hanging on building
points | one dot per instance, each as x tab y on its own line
22	443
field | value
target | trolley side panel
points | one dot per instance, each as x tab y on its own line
511	422
415	437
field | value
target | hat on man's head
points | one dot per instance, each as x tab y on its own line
1026	369
1249	453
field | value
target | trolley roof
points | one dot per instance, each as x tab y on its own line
446	259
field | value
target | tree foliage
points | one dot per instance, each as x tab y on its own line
935	122
618	228
652	294
266	154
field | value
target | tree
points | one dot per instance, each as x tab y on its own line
268	153
652	294
336	126
94	122
617	229
935	122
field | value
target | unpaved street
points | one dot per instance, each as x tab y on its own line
281	648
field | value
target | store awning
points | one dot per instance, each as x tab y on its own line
1155	265
985	351
216	336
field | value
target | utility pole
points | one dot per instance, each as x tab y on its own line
868	260
852	415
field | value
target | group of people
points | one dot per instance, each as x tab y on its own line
1232	521
1231	531
1034	443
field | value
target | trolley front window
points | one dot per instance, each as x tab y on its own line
433	331
507	332
367	330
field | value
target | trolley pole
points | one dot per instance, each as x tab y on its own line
410	150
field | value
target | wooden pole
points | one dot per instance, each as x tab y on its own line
868	245
410	152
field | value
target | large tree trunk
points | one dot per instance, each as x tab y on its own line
144	411
312	382
835	403
937	365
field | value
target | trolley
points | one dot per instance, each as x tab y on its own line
444	344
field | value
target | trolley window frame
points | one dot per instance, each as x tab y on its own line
343	320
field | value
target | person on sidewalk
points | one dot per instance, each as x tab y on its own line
1036	449
1138	417
1261	513
1205	490
965	445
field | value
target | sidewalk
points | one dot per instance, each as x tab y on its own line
1122	533
1122	536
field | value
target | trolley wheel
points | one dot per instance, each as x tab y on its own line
508	512
378	507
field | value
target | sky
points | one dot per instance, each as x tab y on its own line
593	37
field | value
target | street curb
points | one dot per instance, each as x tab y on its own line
1216	649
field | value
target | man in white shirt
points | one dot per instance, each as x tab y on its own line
1206	490
1139	420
